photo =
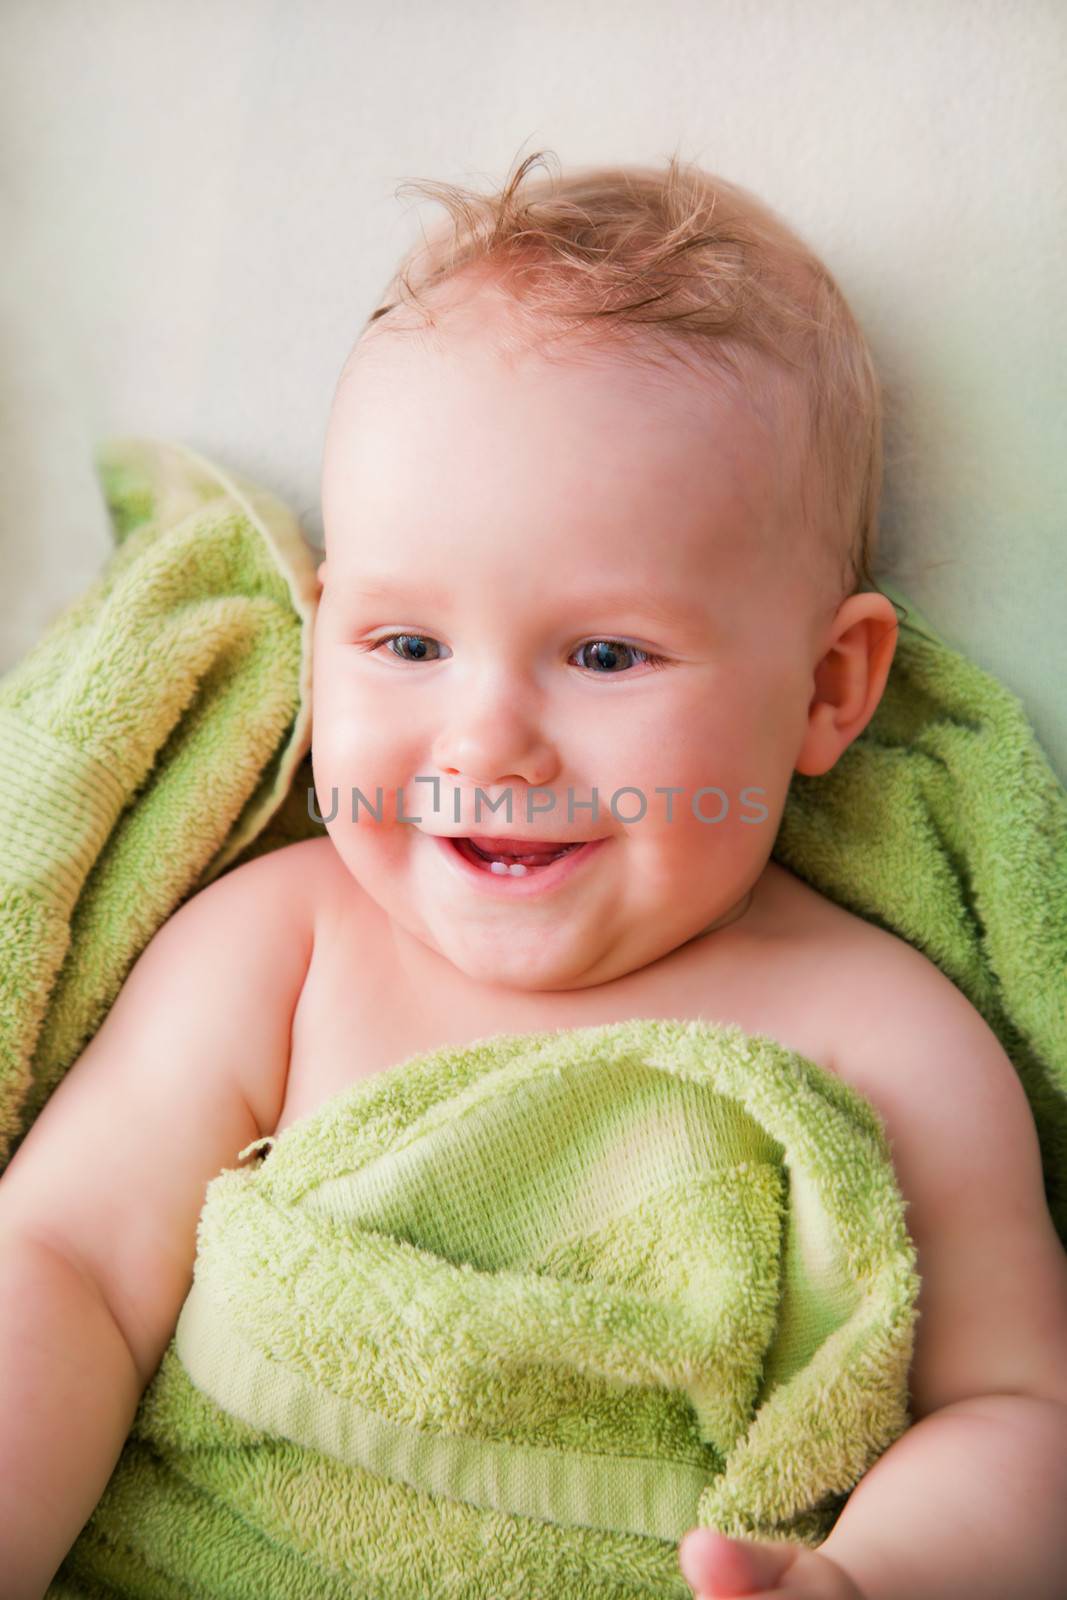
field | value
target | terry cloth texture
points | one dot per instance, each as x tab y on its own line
146	739
945	824
156	736
508	1319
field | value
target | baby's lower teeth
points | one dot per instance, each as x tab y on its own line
518	869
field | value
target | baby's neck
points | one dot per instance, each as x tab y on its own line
735	913
427	972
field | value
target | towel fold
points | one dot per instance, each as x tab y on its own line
146	740
507	1320
503	1320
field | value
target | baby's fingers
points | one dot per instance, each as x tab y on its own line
716	1567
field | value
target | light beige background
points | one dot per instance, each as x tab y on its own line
198	214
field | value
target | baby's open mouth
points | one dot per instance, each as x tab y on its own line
502	855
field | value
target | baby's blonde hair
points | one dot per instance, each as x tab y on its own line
681	264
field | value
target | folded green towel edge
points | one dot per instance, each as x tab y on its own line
280	530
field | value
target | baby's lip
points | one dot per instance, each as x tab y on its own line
514	846
487	841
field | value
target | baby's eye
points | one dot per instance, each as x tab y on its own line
608	652
417	642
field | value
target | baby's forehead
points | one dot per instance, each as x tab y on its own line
706	423
591	381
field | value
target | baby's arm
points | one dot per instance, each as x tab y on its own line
99	1205
970	1500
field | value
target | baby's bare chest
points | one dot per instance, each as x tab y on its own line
363	1011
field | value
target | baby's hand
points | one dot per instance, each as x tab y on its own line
717	1567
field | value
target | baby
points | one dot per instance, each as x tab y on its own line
636	435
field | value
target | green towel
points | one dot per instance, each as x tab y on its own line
509	1319
145	741
945	823
568	1294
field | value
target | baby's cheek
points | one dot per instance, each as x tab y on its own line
368	774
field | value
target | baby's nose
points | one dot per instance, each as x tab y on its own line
494	749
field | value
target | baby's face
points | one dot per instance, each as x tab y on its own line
593	577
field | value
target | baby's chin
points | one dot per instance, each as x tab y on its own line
519	979
541	964
527	961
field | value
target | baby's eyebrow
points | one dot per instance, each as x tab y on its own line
630	602
398	590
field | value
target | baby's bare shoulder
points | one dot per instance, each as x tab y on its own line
315	857
860	962
993	1301
893	1008
292	884
315	868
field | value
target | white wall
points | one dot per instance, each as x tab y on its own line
198	214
